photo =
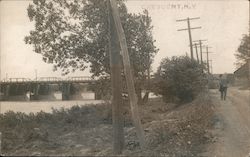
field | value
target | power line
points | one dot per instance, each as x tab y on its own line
189	32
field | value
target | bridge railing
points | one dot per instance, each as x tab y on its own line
79	78
17	80
48	79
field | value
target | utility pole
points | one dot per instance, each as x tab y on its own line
116	84
196	50
200	45
128	74
189	32
248	60
0	144
211	66
207	52
36	74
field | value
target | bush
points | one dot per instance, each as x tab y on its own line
179	79
21	130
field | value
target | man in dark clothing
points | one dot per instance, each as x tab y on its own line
223	87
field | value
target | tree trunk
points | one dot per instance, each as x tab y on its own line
139	95
145	97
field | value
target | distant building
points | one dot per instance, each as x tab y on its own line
242	75
242	72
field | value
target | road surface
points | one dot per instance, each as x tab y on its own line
232	124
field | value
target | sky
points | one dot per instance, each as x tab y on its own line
223	23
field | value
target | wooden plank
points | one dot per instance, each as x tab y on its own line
128	74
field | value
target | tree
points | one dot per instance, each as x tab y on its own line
143	61
102	88
71	34
179	79
243	52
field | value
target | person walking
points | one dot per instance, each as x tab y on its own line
223	87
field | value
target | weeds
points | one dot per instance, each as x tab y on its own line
20	127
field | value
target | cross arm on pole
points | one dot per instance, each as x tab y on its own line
188	29
200	40
193	18
207	47
199	45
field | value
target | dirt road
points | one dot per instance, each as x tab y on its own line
232	124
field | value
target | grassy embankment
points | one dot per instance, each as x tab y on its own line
87	130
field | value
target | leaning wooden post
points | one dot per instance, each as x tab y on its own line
248	62
0	143
128	74
116	81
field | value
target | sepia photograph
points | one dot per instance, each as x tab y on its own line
167	78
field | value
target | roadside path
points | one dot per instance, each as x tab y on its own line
232	125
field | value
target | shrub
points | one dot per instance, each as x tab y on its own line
179	79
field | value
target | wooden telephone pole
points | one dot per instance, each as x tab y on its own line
207	52
189	32
196	50
248	60
116	84
248	50
211	66
0	143
128	74
200	45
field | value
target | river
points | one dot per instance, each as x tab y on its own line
37	106
46	106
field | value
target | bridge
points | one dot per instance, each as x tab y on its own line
79	79
44	88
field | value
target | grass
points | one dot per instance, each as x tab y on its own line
87	130
18	128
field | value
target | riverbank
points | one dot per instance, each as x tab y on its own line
87	130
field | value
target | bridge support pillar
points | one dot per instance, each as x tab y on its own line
98	95
66	91
6	92
35	92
